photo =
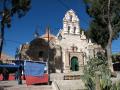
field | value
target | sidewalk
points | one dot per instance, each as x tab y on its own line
13	85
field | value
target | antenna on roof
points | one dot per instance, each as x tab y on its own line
48	29
36	34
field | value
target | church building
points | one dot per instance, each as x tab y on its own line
68	51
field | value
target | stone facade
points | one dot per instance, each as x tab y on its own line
69	50
74	43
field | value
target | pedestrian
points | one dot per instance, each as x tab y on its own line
16	75
5	74
19	75
23	74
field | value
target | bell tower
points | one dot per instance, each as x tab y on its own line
71	23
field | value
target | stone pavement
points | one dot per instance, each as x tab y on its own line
68	85
13	85
58	79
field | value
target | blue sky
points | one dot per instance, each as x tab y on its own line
44	13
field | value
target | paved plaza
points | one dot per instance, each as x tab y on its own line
58	84
13	85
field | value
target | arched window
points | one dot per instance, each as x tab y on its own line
74	30
41	54
70	17
68	29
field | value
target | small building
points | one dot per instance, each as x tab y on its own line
6	58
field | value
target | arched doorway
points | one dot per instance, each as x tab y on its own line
74	64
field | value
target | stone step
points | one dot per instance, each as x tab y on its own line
62	76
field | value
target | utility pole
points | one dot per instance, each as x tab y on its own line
1	36
48	60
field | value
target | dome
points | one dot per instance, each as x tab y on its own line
49	36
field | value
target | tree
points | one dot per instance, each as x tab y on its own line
105	23
1	62
8	9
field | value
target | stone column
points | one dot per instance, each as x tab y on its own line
77	27
67	62
63	58
81	62
65	27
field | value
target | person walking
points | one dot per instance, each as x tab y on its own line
19	75
5	74
16	75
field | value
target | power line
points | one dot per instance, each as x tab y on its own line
13	41
63	4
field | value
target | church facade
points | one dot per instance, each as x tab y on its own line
68	51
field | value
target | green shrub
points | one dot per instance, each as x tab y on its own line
96	64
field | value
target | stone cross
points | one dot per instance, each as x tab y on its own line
74	48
